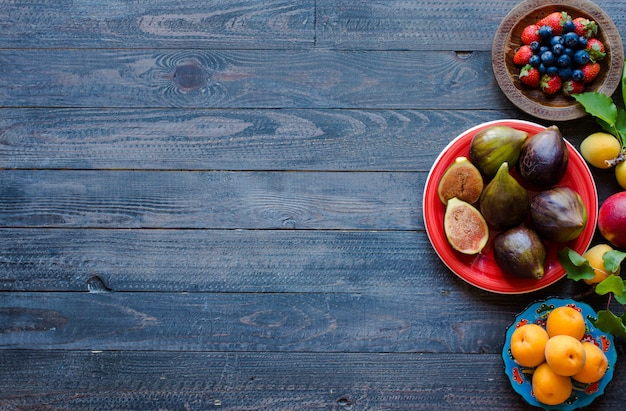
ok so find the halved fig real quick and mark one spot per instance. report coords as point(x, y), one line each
point(465, 228)
point(461, 180)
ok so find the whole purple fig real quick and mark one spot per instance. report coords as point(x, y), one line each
point(558, 214)
point(543, 159)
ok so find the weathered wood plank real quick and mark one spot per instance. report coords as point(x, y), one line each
point(393, 24)
point(250, 261)
point(248, 24)
point(227, 200)
point(248, 79)
point(216, 200)
point(426, 320)
point(220, 261)
point(240, 139)
point(421, 24)
point(79, 380)
point(230, 139)
point(262, 381)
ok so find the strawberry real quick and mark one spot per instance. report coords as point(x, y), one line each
point(530, 76)
point(522, 55)
point(590, 71)
point(585, 27)
point(550, 84)
point(530, 34)
point(573, 87)
point(595, 48)
point(555, 21)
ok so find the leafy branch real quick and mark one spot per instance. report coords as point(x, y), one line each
point(608, 115)
point(612, 119)
point(578, 268)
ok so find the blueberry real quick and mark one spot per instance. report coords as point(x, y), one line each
point(534, 46)
point(534, 60)
point(568, 26)
point(582, 42)
point(558, 49)
point(547, 58)
point(564, 61)
point(542, 68)
point(569, 51)
point(545, 32)
point(565, 73)
point(543, 49)
point(578, 75)
point(571, 39)
point(552, 70)
point(557, 40)
point(581, 57)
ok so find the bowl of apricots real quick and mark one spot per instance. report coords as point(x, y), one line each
point(555, 358)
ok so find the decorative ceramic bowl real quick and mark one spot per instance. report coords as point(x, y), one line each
point(521, 377)
point(534, 101)
point(481, 270)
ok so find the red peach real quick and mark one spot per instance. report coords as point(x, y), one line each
point(612, 219)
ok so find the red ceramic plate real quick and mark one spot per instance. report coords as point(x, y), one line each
point(481, 270)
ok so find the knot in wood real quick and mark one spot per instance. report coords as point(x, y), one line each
point(189, 76)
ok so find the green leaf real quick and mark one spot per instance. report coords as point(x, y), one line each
point(575, 265)
point(606, 126)
point(621, 298)
point(598, 105)
point(620, 126)
point(610, 323)
point(612, 260)
point(611, 284)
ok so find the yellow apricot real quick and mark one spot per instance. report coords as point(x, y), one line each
point(596, 364)
point(598, 148)
point(528, 344)
point(550, 388)
point(594, 257)
point(620, 174)
point(565, 355)
point(565, 320)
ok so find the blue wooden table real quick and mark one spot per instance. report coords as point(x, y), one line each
point(218, 205)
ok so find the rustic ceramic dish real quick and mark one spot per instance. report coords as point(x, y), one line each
point(481, 270)
point(521, 377)
point(534, 101)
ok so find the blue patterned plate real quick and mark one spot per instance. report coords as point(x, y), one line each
point(521, 377)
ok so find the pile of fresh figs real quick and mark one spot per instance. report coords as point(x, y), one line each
point(509, 183)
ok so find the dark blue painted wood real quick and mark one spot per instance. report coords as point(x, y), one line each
point(244, 24)
point(217, 205)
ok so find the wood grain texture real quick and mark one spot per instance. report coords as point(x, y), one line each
point(248, 79)
point(219, 261)
point(283, 139)
point(419, 25)
point(426, 321)
point(226, 200)
point(249, 261)
point(248, 24)
point(276, 24)
point(259, 381)
point(244, 140)
point(217, 205)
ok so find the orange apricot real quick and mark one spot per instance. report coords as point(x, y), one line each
point(528, 344)
point(549, 387)
point(565, 355)
point(596, 364)
point(565, 320)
